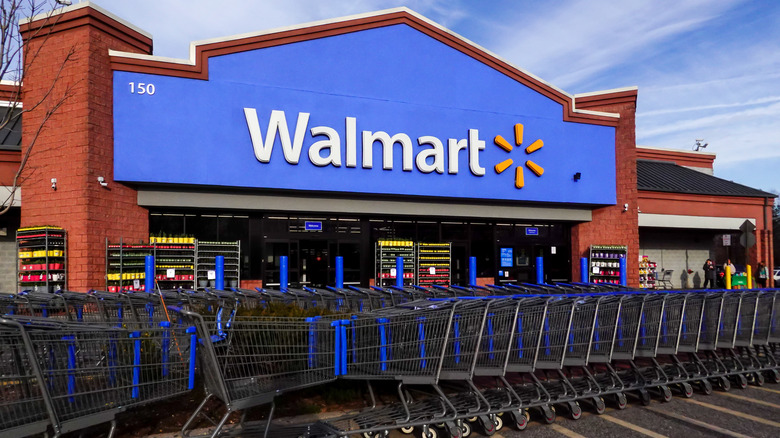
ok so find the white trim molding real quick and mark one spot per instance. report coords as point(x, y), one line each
point(693, 222)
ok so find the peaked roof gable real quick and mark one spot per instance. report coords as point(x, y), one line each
point(197, 67)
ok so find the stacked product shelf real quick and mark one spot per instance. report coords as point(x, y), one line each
point(605, 263)
point(433, 264)
point(207, 253)
point(126, 266)
point(175, 263)
point(386, 253)
point(174, 260)
point(647, 273)
point(42, 258)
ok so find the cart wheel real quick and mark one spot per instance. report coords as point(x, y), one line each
point(666, 393)
point(471, 419)
point(758, 379)
point(575, 411)
point(644, 397)
point(521, 418)
point(599, 405)
point(548, 414)
point(465, 429)
point(687, 389)
point(621, 401)
point(741, 381)
point(453, 430)
point(773, 376)
point(428, 432)
point(724, 384)
point(407, 430)
point(705, 386)
point(499, 422)
point(487, 425)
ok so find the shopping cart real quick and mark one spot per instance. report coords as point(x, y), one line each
point(253, 360)
point(84, 374)
point(761, 353)
point(24, 408)
point(636, 340)
point(596, 378)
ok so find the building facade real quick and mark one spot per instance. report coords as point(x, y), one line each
point(379, 127)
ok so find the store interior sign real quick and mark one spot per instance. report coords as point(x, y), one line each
point(506, 258)
point(341, 114)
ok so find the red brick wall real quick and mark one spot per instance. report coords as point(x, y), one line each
point(681, 158)
point(251, 284)
point(611, 225)
point(9, 164)
point(76, 144)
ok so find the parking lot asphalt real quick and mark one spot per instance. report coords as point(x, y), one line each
point(750, 412)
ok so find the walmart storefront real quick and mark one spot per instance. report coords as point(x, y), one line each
point(325, 140)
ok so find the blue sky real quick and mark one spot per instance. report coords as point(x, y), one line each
point(705, 69)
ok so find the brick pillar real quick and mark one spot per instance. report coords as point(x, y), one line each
point(611, 225)
point(76, 144)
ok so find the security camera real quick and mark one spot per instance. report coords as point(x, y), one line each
point(54, 183)
point(102, 181)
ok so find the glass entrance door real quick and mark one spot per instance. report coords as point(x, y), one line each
point(314, 263)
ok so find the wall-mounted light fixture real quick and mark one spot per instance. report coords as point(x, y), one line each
point(577, 176)
point(54, 183)
point(102, 181)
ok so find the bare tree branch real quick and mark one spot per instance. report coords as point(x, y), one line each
point(17, 57)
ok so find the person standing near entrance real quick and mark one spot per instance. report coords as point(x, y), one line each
point(728, 270)
point(709, 274)
point(762, 275)
point(732, 268)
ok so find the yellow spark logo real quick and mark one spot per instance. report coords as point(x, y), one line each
point(504, 165)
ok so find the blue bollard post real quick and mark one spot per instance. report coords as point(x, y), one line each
point(149, 274)
point(472, 271)
point(584, 270)
point(399, 272)
point(339, 272)
point(283, 266)
point(540, 270)
point(623, 272)
point(219, 266)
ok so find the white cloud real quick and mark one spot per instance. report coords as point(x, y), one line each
point(573, 41)
point(175, 23)
point(751, 102)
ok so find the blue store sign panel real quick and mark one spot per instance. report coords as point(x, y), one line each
point(388, 110)
point(313, 226)
point(531, 231)
point(506, 258)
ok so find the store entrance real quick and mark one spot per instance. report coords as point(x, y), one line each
point(314, 262)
